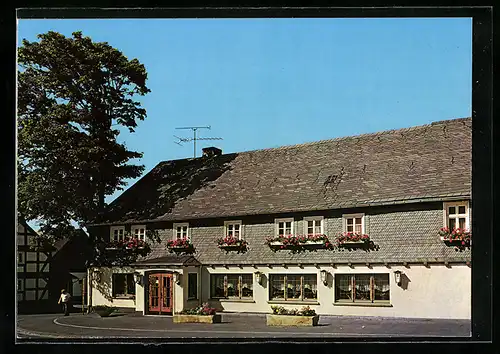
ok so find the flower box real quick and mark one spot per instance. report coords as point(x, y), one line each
point(291, 320)
point(197, 318)
point(457, 237)
point(229, 243)
point(182, 245)
point(299, 243)
point(352, 243)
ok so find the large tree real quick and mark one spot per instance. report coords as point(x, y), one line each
point(72, 95)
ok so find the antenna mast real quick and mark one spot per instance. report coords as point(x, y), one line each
point(194, 138)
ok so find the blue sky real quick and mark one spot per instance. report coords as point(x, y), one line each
point(263, 83)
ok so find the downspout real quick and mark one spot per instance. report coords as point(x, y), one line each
point(201, 286)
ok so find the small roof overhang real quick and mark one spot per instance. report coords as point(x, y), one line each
point(169, 260)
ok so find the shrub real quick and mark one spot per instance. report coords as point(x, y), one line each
point(305, 311)
point(203, 310)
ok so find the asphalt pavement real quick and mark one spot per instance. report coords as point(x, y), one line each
point(126, 325)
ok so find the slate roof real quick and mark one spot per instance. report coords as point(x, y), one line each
point(428, 162)
point(184, 260)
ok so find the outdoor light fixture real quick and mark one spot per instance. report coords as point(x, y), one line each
point(177, 277)
point(397, 276)
point(138, 278)
point(323, 275)
point(97, 275)
point(258, 277)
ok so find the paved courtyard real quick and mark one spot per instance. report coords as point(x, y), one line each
point(79, 325)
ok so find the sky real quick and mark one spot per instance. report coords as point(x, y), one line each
point(263, 83)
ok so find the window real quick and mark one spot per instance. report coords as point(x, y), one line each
point(181, 231)
point(362, 287)
point(232, 286)
point(289, 287)
point(313, 225)
point(117, 233)
point(233, 229)
point(192, 286)
point(284, 227)
point(20, 284)
point(139, 232)
point(456, 215)
point(123, 285)
point(354, 223)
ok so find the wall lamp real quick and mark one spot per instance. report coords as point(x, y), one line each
point(258, 277)
point(177, 277)
point(138, 278)
point(324, 276)
point(397, 276)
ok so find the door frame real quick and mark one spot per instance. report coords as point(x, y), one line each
point(161, 273)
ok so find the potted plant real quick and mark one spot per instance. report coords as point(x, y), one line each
point(457, 236)
point(129, 245)
point(230, 243)
point(293, 317)
point(103, 310)
point(181, 245)
point(199, 314)
point(352, 239)
point(299, 243)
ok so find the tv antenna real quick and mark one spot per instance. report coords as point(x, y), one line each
point(194, 138)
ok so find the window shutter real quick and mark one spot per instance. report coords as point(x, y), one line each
point(239, 286)
point(225, 285)
point(301, 288)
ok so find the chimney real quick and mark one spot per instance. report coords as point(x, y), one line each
point(211, 151)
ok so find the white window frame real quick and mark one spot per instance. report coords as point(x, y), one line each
point(276, 225)
point(138, 227)
point(111, 233)
point(315, 219)
point(233, 222)
point(350, 216)
point(181, 224)
point(456, 204)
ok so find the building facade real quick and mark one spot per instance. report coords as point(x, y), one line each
point(398, 189)
point(43, 272)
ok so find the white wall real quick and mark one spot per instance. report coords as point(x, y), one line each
point(102, 291)
point(435, 292)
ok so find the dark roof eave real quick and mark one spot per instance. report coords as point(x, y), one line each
point(449, 197)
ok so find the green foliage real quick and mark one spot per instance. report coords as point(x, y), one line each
point(72, 94)
point(203, 310)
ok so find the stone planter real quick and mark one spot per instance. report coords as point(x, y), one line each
point(197, 318)
point(291, 320)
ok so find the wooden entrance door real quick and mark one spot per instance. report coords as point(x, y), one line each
point(160, 293)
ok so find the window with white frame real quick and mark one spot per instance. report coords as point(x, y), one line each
point(181, 230)
point(231, 286)
point(354, 223)
point(233, 229)
point(313, 225)
point(284, 227)
point(457, 215)
point(293, 287)
point(117, 233)
point(362, 288)
point(139, 232)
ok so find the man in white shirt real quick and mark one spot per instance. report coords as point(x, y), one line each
point(64, 299)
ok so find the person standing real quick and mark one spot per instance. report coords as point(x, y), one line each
point(65, 299)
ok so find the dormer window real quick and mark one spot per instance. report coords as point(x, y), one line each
point(181, 230)
point(284, 227)
point(139, 232)
point(233, 229)
point(456, 215)
point(354, 223)
point(313, 225)
point(117, 233)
